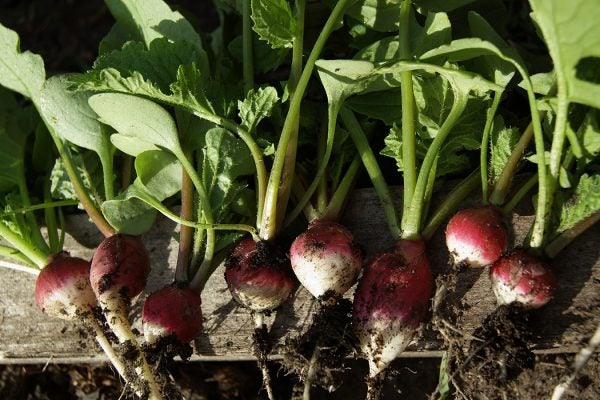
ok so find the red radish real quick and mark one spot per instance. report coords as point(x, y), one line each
point(325, 259)
point(119, 270)
point(62, 289)
point(477, 236)
point(391, 301)
point(172, 310)
point(259, 275)
point(522, 278)
point(120, 267)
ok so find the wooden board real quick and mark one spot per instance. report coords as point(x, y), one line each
point(28, 336)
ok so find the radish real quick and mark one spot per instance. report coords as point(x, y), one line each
point(170, 311)
point(519, 277)
point(390, 302)
point(259, 276)
point(326, 259)
point(119, 269)
point(62, 289)
point(477, 236)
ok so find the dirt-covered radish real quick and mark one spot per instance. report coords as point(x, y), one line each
point(172, 311)
point(521, 278)
point(326, 259)
point(477, 236)
point(391, 301)
point(63, 290)
point(259, 276)
point(119, 270)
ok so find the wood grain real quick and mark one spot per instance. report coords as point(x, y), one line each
point(28, 336)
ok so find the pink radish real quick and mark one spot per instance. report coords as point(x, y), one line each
point(119, 270)
point(390, 302)
point(325, 259)
point(259, 275)
point(172, 310)
point(62, 289)
point(477, 236)
point(522, 278)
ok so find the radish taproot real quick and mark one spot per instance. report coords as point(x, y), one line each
point(390, 302)
point(119, 270)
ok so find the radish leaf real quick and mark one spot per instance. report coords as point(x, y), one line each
point(274, 22)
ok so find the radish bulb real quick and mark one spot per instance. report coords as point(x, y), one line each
point(325, 259)
point(62, 289)
point(522, 278)
point(173, 311)
point(119, 270)
point(259, 276)
point(477, 236)
point(390, 302)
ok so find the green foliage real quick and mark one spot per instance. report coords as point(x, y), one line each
point(274, 22)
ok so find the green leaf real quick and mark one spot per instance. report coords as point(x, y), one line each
point(590, 136)
point(435, 32)
point(572, 34)
point(446, 5)
point(89, 170)
point(149, 20)
point(160, 172)
point(21, 72)
point(257, 105)
point(127, 213)
point(136, 120)
point(224, 159)
point(384, 105)
point(380, 15)
point(467, 49)
point(274, 22)
point(266, 58)
point(12, 140)
point(70, 116)
point(502, 142)
point(582, 203)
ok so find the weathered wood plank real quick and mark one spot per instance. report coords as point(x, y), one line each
point(26, 335)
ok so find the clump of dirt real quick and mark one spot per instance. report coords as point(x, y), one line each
point(320, 353)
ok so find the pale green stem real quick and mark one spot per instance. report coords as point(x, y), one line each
point(38, 256)
point(451, 201)
point(268, 227)
point(247, 47)
point(372, 167)
point(34, 228)
point(516, 199)
point(409, 163)
point(255, 151)
point(42, 206)
point(412, 223)
point(566, 237)
point(485, 145)
point(340, 197)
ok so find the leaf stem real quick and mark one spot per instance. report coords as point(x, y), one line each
point(50, 218)
point(451, 201)
point(412, 223)
point(268, 226)
point(38, 256)
point(186, 233)
point(485, 145)
point(340, 197)
point(255, 151)
point(408, 111)
point(34, 227)
point(516, 199)
point(248, 47)
point(82, 194)
point(566, 237)
point(372, 167)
